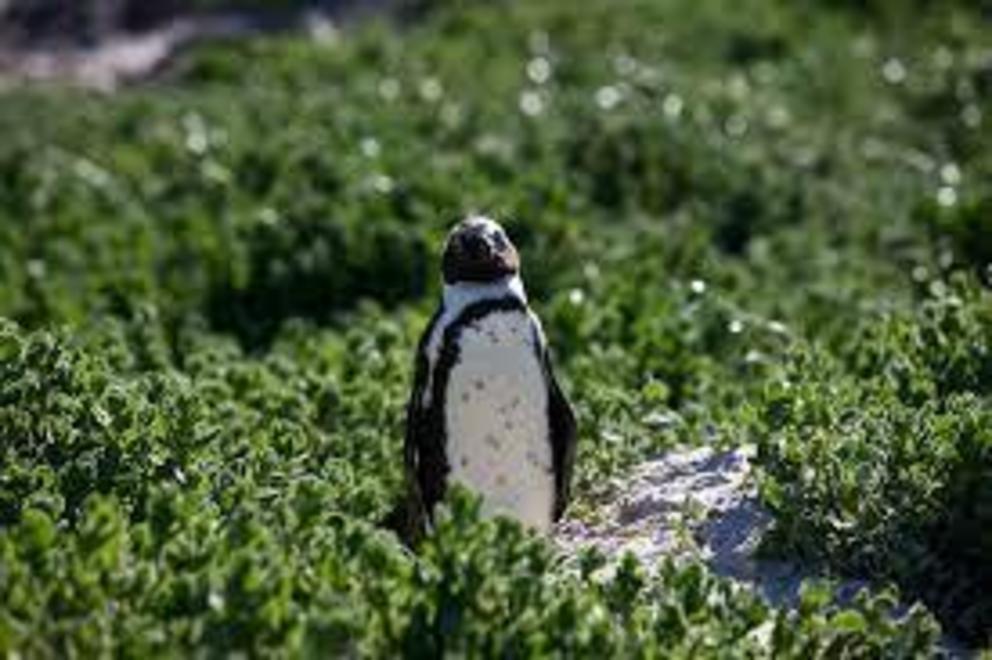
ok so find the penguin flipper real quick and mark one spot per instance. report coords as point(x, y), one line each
point(564, 432)
point(418, 450)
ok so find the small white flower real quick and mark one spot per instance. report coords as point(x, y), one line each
point(778, 327)
point(382, 183)
point(672, 106)
point(268, 216)
point(539, 70)
point(894, 71)
point(197, 135)
point(950, 174)
point(370, 147)
point(531, 103)
point(608, 97)
point(430, 89)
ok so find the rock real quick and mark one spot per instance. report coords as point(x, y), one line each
point(697, 503)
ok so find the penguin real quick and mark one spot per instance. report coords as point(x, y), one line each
point(486, 409)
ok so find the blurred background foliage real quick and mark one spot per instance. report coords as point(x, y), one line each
point(762, 221)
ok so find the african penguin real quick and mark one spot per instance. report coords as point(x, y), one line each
point(486, 409)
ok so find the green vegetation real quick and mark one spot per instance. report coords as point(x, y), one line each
point(763, 221)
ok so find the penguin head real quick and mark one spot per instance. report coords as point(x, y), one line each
point(478, 250)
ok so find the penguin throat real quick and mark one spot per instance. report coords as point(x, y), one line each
point(460, 295)
point(457, 297)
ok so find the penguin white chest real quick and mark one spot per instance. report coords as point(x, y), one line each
point(496, 419)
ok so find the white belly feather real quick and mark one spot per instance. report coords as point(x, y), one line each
point(496, 419)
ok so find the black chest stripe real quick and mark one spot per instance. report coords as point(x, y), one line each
point(449, 351)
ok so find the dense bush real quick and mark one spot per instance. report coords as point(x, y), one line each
point(735, 222)
point(149, 510)
point(880, 460)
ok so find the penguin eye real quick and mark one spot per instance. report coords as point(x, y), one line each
point(499, 240)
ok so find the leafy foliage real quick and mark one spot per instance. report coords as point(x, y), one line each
point(881, 461)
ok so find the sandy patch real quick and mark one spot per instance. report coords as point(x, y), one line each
point(700, 503)
point(696, 503)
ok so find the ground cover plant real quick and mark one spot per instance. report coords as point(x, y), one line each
point(761, 222)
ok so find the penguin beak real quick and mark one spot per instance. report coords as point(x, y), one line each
point(477, 246)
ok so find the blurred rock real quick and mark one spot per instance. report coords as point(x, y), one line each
point(102, 44)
